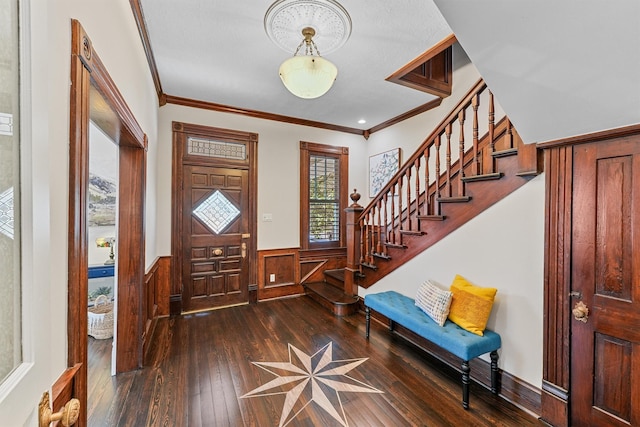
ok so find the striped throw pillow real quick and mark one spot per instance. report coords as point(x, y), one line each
point(434, 301)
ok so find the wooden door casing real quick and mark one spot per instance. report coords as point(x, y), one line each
point(605, 350)
point(214, 271)
point(242, 170)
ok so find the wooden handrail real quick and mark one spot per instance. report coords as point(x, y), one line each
point(416, 191)
point(464, 102)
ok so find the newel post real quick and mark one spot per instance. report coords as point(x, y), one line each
point(353, 244)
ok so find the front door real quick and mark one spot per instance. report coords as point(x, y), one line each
point(605, 324)
point(216, 234)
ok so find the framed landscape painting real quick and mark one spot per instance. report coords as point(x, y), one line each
point(381, 168)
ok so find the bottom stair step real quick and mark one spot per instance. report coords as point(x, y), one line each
point(332, 298)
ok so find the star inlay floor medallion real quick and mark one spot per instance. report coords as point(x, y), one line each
point(307, 379)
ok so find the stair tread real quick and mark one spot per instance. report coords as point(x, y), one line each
point(483, 177)
point(505, 153)
point(432, 217)
point(395, 245)
point(367, 265)
point(458, 199)
point(527, 174)
point(337, 274)
point(330, 293)
point(413, 232)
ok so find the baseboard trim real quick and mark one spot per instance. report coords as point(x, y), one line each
point(175, 304)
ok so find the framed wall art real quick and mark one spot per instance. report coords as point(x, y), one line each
point(381, 168)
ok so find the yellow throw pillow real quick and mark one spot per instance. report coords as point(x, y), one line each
point(471, 305)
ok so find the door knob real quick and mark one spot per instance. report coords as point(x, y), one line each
point(580, 312)
point(217, 252)
point(243, 250)
point(68, 416)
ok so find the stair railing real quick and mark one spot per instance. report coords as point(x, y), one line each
point(415, 193)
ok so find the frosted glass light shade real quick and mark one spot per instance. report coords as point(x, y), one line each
point(308, 76)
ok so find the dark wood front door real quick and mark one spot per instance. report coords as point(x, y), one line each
point(216, 234)
point(605, 341)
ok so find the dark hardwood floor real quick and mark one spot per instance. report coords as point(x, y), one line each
point(201, 372)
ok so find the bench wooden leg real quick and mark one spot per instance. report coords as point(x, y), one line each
point(367, 316)
point(494, 372)
point(465, 384)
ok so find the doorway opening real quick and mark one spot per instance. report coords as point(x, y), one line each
point(95, 98)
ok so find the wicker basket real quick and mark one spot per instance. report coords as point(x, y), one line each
point(101, 318)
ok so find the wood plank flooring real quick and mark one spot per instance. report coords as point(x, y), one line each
point(201, 365)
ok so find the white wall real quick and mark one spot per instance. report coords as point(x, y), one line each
point(278, 169)
point(111, 26)
point(502, 248)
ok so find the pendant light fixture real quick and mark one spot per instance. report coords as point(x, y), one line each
point(310, 75)
point(307, 74)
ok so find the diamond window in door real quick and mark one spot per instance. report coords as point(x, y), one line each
point(216, 212)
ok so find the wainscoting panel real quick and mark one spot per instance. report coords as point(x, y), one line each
point(282, 272)
point(155, 297)
point(278, 273)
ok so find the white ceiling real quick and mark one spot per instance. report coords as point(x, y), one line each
point(558, 68)
point(218, 51)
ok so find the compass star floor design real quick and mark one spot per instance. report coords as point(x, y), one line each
point(307, 379)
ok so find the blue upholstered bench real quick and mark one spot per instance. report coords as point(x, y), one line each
point(451, 337)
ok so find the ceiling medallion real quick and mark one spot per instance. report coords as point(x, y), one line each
point(307, 74)
point(285, 20)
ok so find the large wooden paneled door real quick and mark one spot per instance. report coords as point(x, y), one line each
point(605, 336)
point(214, 217)
point(215, 236)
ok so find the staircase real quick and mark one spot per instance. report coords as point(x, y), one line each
point(468, 163)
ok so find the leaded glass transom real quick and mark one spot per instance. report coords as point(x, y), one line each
point(216, 212)
point(220, 149)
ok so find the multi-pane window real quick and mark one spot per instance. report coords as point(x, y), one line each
point(324, 199)
point(323, 195)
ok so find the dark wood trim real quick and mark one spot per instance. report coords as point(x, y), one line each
point(187, 102)
point(557, 283)
point(559, 201)
point(129, 133)
point(204, 105)
point(89, 75)
point(175, 304)
point(155, 298)
point(138, 14)
point(321, 253)
point(431, 72)
point(307, 149)
point(512, 389)
point(402, 117)
point(286, 263)
point(592, 137)
point(131, 255)
point(180, 132)
point(308, 266)
point(161, 271)
point(63, 389)
point(78, 267)
point(433, 51)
